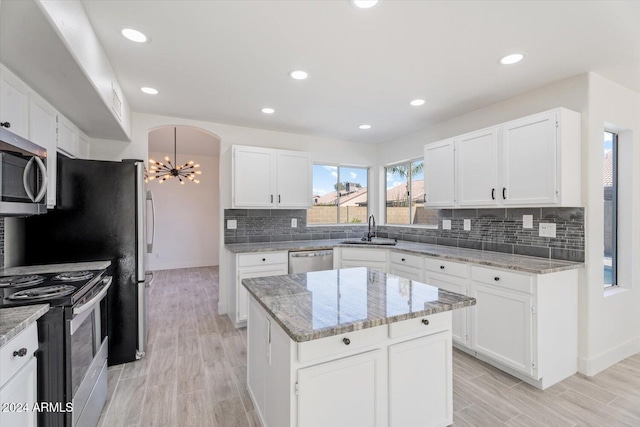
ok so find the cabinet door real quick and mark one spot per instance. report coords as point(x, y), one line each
point(42, 131)
point(20, 390)
point(67, 137)
point(439, 174)
point(83, 146)
point(242, 296)
point(406, 272)
point(14, 104)
point(458, 317)
point(294, 180)
point(253, 177)
point(477, 168)
point(501, 326)
point(346, 392)
point(421, 397)
point(530, 161)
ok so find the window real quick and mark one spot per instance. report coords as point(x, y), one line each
point(610, 208)
point(339, 195)
point(405, 195)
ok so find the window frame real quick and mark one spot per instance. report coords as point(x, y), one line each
point(614, 207)
point(407, 163)
point(338, 166)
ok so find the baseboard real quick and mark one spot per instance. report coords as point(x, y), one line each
point(597, 364)
point(156, 266)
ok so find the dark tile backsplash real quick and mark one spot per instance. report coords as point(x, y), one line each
point(496, 230)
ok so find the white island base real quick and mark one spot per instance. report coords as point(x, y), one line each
point(395, 375)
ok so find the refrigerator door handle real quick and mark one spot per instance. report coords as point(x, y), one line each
point(153, 221)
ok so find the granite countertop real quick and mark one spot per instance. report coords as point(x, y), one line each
point(319, 304)
point(13, 320)
point(55, 268)
point(527, 264)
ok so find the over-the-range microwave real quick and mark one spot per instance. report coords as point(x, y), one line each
point(23, 176)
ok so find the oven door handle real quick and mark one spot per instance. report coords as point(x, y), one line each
point(93, 301)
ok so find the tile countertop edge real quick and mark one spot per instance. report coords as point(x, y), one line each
point(520, 263)
point(55, 268)
point(14, 320)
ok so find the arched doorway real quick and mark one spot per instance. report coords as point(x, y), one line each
point(187, 232)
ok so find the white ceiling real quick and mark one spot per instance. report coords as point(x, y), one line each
point(189, 141)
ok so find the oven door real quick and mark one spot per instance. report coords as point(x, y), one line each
point(87, 346)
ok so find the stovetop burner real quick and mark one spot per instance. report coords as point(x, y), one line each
point(73, 276)
point(43, 292)
point(20, 281)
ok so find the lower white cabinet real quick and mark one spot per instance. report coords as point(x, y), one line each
point(249, 266)
point(397, 375)
point(365, 257)
point(459, 321)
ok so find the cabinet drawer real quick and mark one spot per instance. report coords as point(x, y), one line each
point(503, 279)
point(262, 258)
point(424, 325)
point(445, 267)
point(364, 254)
point(337, 344)
point(10, 364)
point(406, 259)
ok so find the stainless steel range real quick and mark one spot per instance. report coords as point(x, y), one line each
point(73, 342)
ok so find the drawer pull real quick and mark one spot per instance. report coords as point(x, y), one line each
point(403, 259)
point(20, 353)
point(425, 322)
point(346, 341)
point(496, 278)
point(442, 267)
point(264, 259)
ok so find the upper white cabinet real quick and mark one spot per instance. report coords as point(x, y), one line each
point(42, 131)
point(439, 173)
point(269, 178)
point(83, 146)
point(533, 161)
point(14, 103)
point(67, 137)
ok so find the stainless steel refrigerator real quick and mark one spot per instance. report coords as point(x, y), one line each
point(101, 213)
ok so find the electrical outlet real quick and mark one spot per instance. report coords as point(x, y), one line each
point(294, 222)
point(232, 224)
point(446, 224)
point(527, 221)
point(547, 229)
point(467, 225)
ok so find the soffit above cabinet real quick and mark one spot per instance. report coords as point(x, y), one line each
point(32, 49)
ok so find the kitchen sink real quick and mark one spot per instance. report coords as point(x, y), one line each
point(373, 241)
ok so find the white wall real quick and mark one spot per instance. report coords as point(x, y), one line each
point(187, 217)
point(321, 149)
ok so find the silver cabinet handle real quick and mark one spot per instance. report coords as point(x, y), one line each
point(43, 171)
point(25, 179)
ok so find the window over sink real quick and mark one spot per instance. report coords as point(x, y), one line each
point(340, 195)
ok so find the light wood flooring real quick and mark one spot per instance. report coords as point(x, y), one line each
point(194, 374)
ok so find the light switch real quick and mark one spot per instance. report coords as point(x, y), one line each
point(232, 224)
point(294, 222)
point(547, 229)
point(467, 225)
point(446, 224)
point(527, 221)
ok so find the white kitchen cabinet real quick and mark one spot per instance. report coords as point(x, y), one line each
point(439, 173)
point(14, 103)
point(83, 146)
point(362, 257)
point(269, 178)
point(18, 379)
point(250, 266)
point(406, 265)
point(477, 167)
point(42, 131)
point(343, 392)
point(459, 326)
point(67, 137)
point(411, 406)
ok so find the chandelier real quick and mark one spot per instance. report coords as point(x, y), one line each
point(164, 171)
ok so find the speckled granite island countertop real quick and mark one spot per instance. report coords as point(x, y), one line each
point(55, 268)
point(527, 264)
point(319, 304)
point(13, 320)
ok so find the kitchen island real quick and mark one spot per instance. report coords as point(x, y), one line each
point(350, 347)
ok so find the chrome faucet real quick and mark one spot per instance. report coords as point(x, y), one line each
point(372, 224)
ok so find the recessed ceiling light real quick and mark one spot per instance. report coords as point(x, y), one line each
point(268, 110)
point(365, 127)
point(299, 75)
point(417, 102)
point(149, 90)
point(134, 35)
point(512, 58)
point(364, 4)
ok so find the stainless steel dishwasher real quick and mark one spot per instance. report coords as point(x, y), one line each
point(305, 261)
